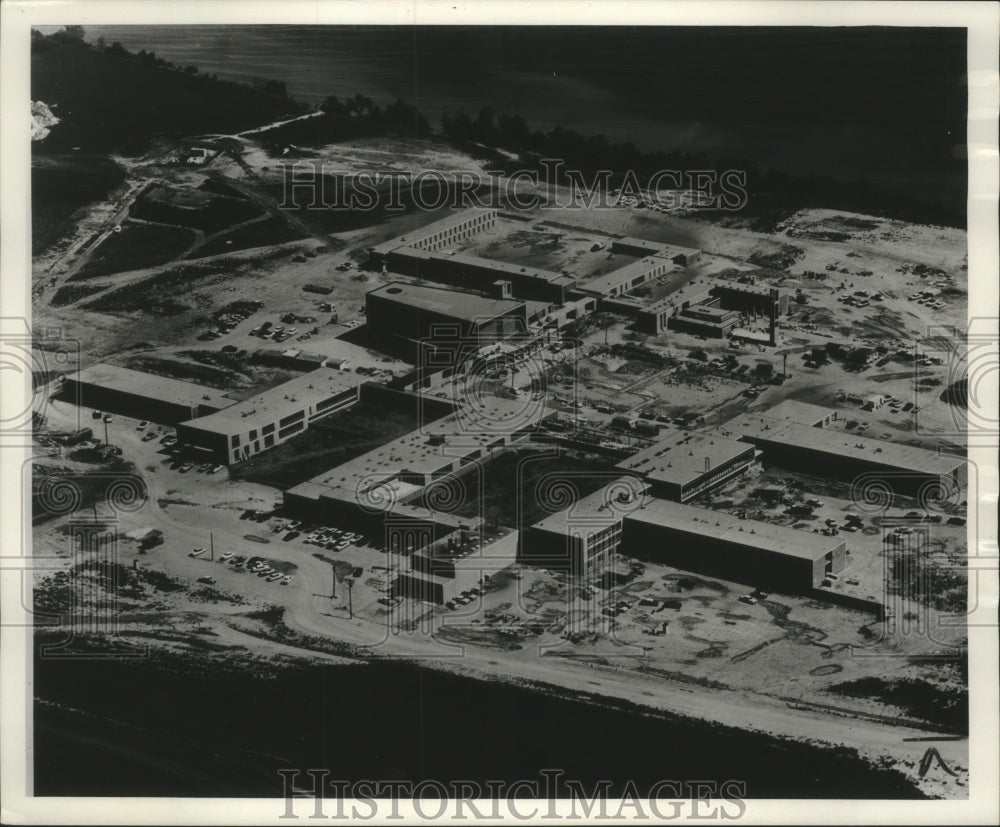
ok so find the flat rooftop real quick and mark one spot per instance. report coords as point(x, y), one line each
point(633, 270)
point(600, 510)
point(804, 413)
point(425, 451)
point(712, 312)
point(649, 247)
point(161, 388)
point(505, 268)
point(841, 444)
point(282, 400)
point(417, 235)
point(477, 544)
point(680, 457)
point(470, 307)
point(716, 525)
point(694, 292)
point(745, 287)
point(596, 511)
point(654, 248)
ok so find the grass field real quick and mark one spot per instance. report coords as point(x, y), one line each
point(135, 247)
point(69, 293)
point(204, 212)
point(263, 233)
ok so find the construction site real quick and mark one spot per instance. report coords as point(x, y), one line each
point(608, 442)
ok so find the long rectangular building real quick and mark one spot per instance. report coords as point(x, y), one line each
point(904, 469)
point(721, 545)
point(627, 278)
point(805, 413)
point(585, 537)
point(478, 273)
point(642, 247)
point(141, 395)
point(240, 431)
point(452, 229)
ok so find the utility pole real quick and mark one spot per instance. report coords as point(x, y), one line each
point(333, 571)
point(211, 545)
point(106, 440)
point(350, 602)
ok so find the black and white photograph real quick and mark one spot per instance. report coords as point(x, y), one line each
point(547, 411)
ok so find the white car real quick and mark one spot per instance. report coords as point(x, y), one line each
point(196, 552)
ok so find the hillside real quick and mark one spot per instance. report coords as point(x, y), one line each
point(108, 103)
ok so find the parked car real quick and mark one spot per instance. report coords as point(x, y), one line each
point(291, 535)
point(196, 552)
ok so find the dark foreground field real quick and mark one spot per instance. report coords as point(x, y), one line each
point(183, 725)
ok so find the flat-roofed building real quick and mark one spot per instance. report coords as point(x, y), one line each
point(903, 469)
point(654, 317)
point(703, 303)
point(419, 313)
point(452, 229)
point(585, 538)
point(642, 247)
point(478, 273)
point(388, 481)
point(705, 320)
point(458, 562)
point(751, 298)
point(721, 545)
point(681, 465)
point(292, 358)
point(240, 431)
point(141, 395)
point(805, 413)
point(627, 278)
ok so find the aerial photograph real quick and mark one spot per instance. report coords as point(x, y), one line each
point(500, 412)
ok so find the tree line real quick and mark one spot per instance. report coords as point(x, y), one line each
point(75, 35)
